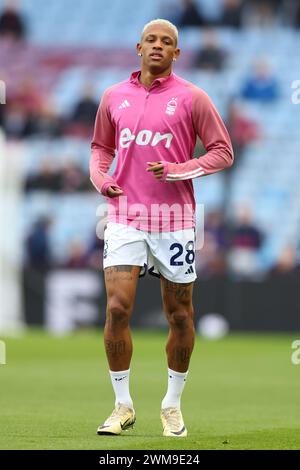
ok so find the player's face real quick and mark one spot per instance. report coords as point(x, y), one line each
point(158, 48)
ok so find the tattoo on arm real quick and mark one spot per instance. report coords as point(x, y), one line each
point(115, 348)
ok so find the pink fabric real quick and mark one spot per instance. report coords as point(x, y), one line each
point(158, 124)
point(103, 149)
point(214, 136)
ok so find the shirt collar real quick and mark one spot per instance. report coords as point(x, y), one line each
point(134, 78)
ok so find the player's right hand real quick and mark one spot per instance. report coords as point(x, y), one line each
point(113, 191)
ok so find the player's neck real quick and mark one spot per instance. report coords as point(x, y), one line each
point(147, 78)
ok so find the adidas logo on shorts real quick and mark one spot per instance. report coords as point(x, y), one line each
point(190, 270)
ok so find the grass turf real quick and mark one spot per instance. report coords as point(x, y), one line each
point(242, 393)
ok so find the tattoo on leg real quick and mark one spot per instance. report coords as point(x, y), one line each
point(127, 270)
point(115, 348)
point(182, 355)
point(181, 291)
point(123, 268)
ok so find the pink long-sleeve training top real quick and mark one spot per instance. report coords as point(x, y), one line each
point(156, 124)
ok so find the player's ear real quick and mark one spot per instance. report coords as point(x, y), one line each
point(177, 53)
point(139, 48)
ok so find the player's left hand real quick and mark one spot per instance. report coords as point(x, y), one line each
point(157, 168)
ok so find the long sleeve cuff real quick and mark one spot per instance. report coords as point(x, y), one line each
point(107, 185)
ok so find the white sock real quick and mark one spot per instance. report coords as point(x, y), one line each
point(120, 383)
point(176, 383)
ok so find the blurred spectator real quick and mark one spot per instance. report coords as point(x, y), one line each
point(291, 13)
point(23, 109)
point(296, 21)
point(47, 178)
point(16, 122)
point(82, 256)
point(28, 96)
point(169, 10)
point(263, 12)
point(190, 15)
point(3, 98)
point(11, 22)
point(85, 109)
point(77, 256)
point(70, 178)
point(232, 13)
point(287, 262)
point(261, 85)
point(211, 56)
point(216, 226)
point(73, 178)
point(210, 260)
point(245, 242)
point(47, 123)
point(38, 245)
point(95, 253)
point(1, 116)
point(241, 128)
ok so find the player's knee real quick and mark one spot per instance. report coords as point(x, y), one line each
point(181, 318)
point(118, 314)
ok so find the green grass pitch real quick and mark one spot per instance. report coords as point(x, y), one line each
point(242, 393)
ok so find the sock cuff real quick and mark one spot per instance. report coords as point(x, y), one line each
point(119, 372)
point(182, 375)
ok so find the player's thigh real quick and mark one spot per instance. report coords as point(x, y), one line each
point(177, 297)
point(125, 253)
point(121, 283)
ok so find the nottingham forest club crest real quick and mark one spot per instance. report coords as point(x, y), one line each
point(171, 107)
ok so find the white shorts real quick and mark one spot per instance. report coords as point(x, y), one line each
point(171, 254)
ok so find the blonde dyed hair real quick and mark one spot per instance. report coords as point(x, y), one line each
point(162, 22)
